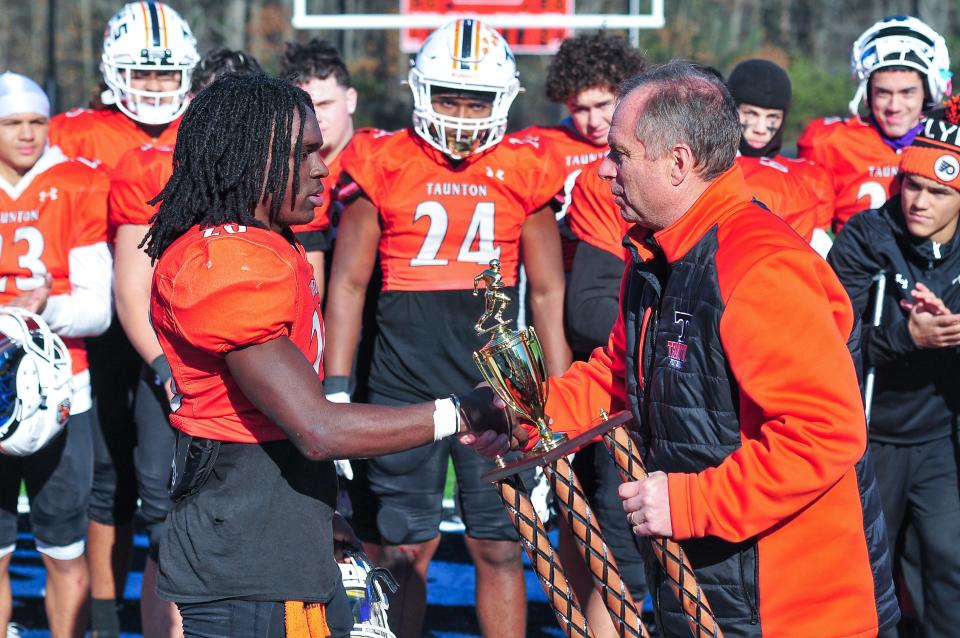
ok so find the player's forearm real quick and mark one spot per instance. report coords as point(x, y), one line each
point(133, 312)
point(342, 321)
point(280, 382)
point(86, 310)
point(133, 275)
point(547, 307)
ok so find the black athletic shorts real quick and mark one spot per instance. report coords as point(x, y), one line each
point(409, 490)
point(114, 375)
point(153, 455)
point(58, 480)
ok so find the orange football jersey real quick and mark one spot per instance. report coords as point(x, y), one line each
point(571, 153)
point(222, 288)
point(139, 176)
point(820, 182)
point(438, 220)
point(103, 134)
point(593, 214)
point(782, 191)
point(322, 214)
point(41, 220)
point(862, 165)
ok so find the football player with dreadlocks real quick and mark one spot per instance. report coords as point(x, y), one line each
point(436, 202)
point(140, 174)
point(902, 67)
point(147, 63)
point(54, 264)
point(248, 548)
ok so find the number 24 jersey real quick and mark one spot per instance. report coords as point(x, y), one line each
point(439, 220)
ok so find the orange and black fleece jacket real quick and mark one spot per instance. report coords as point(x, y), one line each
point(732, 350)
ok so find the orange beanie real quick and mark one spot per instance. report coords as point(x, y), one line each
point(935, 152)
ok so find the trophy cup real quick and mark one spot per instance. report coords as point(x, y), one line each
point(512, 363)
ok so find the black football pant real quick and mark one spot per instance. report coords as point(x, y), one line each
point(919, 483)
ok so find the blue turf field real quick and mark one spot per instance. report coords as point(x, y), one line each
point(451, 589)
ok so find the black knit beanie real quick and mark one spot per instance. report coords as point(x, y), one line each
point(764, 84)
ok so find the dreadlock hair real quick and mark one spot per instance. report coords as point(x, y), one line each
point(317, 59)
point(232, 154)
point(218, 61)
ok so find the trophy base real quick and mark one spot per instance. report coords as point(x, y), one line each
point(539, 456)
point(550, 442)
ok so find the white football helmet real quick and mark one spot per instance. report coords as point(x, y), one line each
point(902, 41)
point(464, 55)
point(362, 582)
point(35, 388)
point(147, 36)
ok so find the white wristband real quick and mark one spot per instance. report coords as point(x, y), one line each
point(339, 397)
point(446, 419)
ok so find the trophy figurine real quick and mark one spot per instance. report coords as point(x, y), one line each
point(512, 361)
point(513, 365)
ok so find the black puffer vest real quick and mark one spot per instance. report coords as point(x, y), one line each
point(688, 410)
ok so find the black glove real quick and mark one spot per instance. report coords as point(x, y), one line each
point(478, 413)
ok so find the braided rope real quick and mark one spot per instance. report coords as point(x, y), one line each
point(545, 564)
point(679, 571)
point(575, 510)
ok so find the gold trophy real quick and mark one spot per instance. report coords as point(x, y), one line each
point(512, 361)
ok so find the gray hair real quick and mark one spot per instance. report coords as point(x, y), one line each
point(689, 106)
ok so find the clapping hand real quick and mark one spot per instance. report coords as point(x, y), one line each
point(930, 322)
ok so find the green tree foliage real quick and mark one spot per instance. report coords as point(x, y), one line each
point(810, 38)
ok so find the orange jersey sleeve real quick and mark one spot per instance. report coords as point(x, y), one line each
point(223, 288)
point(62, 208)
point(863, 167)
point(570, 151)
point(783, 192)
point(103, 135)
point(139, 176)
point(593, 215)
point(820, 182)
point(438, 220)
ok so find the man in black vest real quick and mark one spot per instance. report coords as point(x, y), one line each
point(731, 350)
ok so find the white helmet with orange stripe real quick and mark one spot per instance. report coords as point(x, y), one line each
point(146, 37)
point(463, 55)
point(35, 383)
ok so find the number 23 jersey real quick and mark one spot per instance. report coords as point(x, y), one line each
point(864, 168)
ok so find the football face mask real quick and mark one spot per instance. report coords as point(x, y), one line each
point(146, 37)
point(464, 56)
point(363, 584)
point(35, 388)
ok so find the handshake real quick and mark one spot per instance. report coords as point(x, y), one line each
point(488, 426)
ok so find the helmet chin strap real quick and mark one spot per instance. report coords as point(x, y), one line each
point(857, 98)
